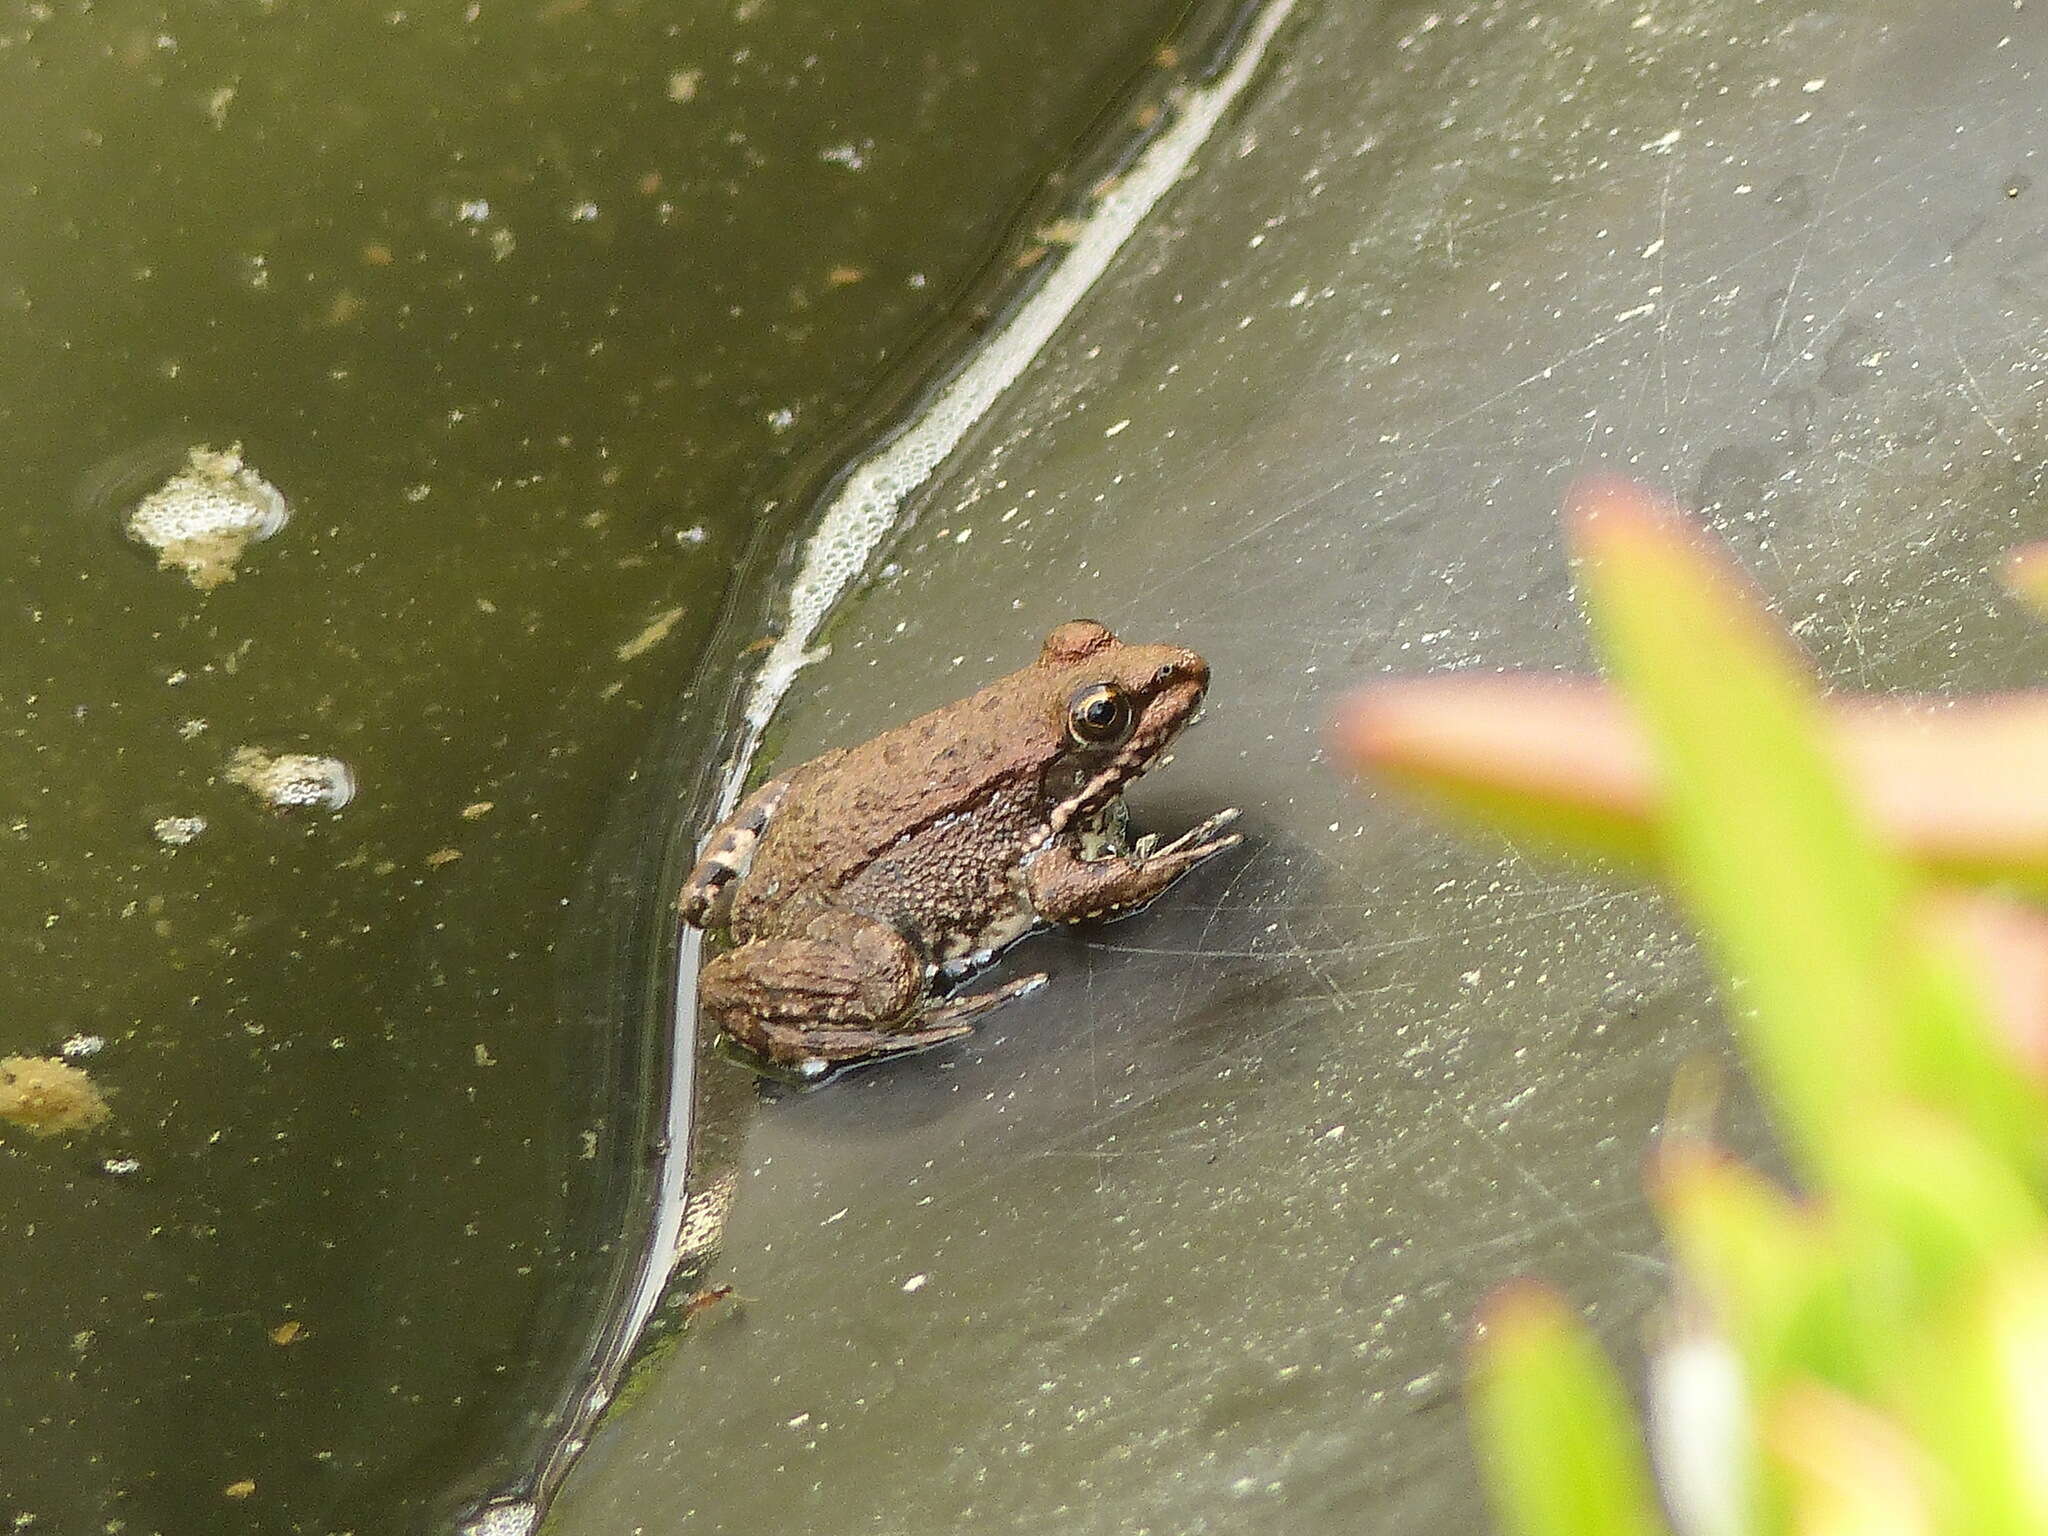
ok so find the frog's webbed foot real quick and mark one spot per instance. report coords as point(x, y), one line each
point(850, 989)
point(1066, 888)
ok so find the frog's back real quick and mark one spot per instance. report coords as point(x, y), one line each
point(907, 826)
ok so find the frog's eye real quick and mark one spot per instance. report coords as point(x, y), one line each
point(1099, 715)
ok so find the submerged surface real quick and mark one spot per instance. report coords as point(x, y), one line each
point(1188, 1240)
point(524, 311)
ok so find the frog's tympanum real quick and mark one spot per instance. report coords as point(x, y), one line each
point(858, 887)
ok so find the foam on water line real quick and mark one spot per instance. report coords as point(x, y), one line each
point(872, 499)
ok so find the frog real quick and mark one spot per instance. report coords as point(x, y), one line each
point(861, 888)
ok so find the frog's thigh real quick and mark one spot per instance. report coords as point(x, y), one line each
point(849, 989)
point(845, 970)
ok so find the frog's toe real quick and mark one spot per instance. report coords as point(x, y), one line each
point(1199, 841)
point(954, 1010)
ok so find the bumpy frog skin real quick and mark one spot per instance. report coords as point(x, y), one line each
point(857, 886)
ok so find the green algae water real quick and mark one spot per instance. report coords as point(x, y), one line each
point(525, 313)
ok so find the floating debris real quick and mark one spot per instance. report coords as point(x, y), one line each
point(177, 831)
point(704, 1300)
point(78, 1047)
point(286, 1332)
point(289, 780)
point(202, 519)
point(49, 1098)
point(656, 631)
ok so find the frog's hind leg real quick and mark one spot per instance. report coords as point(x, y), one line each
point(849, 989)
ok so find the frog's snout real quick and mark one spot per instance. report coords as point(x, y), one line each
point(1185, 667)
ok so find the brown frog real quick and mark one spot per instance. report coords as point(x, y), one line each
point(857, 886)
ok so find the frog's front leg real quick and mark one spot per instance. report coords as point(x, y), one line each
point(849, 988)
point(1066, 888)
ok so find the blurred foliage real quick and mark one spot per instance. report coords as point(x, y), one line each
point(1868, 1354)
point(2027, 574)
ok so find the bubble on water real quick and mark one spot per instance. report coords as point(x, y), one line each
point(202, 519)
point(287, 781)
point(177, 831)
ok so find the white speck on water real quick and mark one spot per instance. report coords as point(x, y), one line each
point(1111, 431)
point(473, 210)
point(915, 1283)
point(1813, 85)
point(1663, 145)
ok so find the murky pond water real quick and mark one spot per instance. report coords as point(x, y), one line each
point(526, 312)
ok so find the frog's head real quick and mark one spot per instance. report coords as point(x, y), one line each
point(1120, 706)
